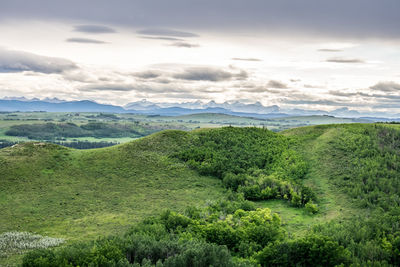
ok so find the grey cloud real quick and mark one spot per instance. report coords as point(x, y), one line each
point(162, 80)
point(184, 44)
point(162, 38)
point(276, 84)
point(93, 29)
point(256, 88)
point(209, 74)
point(329, 50)
point(149, 74)
point(382, 97)
point(320, 102)
point(108, 87)
point(259, 89)
point(386, 87)
point(85, 41)
point(172, 95)
point(313, 86)
point(392, 105)
point(342, 94)
point(345, 60)
point(152, 88)
point(78, 77)
point(340, 18)
point(246, 59)
point(167, 32)
point(18, 61)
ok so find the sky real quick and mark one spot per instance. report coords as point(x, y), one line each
point(309, 54)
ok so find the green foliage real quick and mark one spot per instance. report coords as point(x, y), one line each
point(362, 162)
point(370, 158)
point(152, 243)
point(256, 162)
point(236, 150)
point(103, 252)
point(312, 250)
point(311, 207)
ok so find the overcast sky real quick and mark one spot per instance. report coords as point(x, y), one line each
point(310, 54)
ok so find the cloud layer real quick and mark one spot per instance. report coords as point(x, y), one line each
point(209, 74)
point(84, 41)
point(166, 32)
point(94, 29)
point(344, 18)
point(18, 61)
point(345, 60)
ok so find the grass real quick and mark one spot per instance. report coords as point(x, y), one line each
point(314, 144)
point(80, 195)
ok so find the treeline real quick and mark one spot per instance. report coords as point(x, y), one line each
point(75, 144)
point(54, 131)
point(6, 143)
point(253, 161)
point(86, 144)
point(227, 233)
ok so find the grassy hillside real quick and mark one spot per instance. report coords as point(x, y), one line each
point(334, 188)
point(74, 194)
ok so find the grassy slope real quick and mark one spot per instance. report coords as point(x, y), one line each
point(314, 144)
point(75, 194)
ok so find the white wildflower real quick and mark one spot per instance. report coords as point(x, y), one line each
point(18, 242)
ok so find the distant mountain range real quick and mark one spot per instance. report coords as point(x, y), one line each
point(237, 108)
point(57, 106)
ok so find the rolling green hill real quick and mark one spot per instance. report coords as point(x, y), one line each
point(326, 194)
point(77, 195)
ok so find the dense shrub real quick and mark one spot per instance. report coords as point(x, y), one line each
point(311, 250)
point(103, 252)
point(256, 162)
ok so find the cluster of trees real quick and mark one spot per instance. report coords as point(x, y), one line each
point(222, 234)
point(6, 143)
point(85, 144)
point(370, 174)
point(371, 160)
point(256, 162)
point(53, 131)
point(75, 144)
